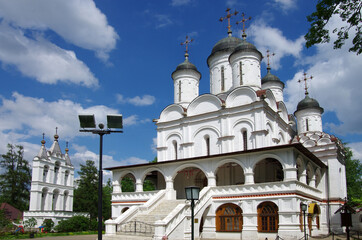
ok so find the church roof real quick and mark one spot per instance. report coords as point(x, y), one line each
point(245, 46)
point(226, 44)
point(55, 148)
point(307, 103)
point(186, 65)
point(43, 152)
point(270, 78)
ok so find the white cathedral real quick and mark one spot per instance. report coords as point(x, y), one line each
point(52, 185)
point(254, 163)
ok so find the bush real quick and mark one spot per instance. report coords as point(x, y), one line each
point(48, 225)
point(74, 224)
point(30, 223)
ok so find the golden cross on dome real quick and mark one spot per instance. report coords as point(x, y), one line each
point(268, 55)
point(186, 43)
point(228, 16)
point(305, 79)
point(66, 144)
point(43, 135)
point(56, 130)
point(243, 21)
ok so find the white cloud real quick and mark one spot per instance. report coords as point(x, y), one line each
point(79, 22)
point(134, 120)
point(145, 100)
point(336, 85)
point(286, 4)
point(42, 60)
point(154, 145)
point(356, 148)
point(180, 2)
point(163, 20)
point(266, 37)
point(22, 117)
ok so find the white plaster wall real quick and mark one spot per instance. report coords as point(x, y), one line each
point(314, 120)
point(219, 60)
point(189, 81)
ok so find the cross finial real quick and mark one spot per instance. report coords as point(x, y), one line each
point(305, 79)
point(56, 130)
point(243, 20)
point(43, 135)
point(66, 144)
point(186, 43)
point(268, 56)
point(228, 16)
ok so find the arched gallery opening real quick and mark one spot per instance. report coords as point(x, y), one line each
point(154, 181)
point(230, 174)
point(189, 176)
point(268, 170)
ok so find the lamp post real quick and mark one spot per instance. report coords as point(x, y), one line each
point(88, 124)
point(304, 208)
point(192, 193)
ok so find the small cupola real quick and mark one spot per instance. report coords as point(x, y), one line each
point(272, 82)
point(245, 62)
point(308, 113)
point(186, 79)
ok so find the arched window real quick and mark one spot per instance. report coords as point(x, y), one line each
point(207, 145)
point(268, 217)
point(65, 200)
point(307, 124)
point(222, 79)
point(245, 140)
point(174, 143)
point(229, 218)
point(179, 91)
point(55, 199)
point(45, 173)
point(66, 176)
point(56, 172)
point(43, 198)
point(241, 73)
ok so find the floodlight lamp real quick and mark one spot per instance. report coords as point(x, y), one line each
point(87, 121)
point(114, 121)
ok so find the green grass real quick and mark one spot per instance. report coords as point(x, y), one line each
point(40, 235)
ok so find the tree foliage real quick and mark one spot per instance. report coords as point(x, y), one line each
point(16, 178)
point(354, 177)
point(48, 225)
point(350, 13)
point(86, 194)
point(127, 184)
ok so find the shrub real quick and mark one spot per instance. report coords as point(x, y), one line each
point(74, 224)
point(30, 223)
point(48, 225)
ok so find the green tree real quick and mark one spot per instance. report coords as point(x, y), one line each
point(148, 185)
point(48, 225)
point(16, 177)
point(86, 194)
point(107, 198)
point(350, 13)
point(354, 177)
point(127, 184)
point(4, 221)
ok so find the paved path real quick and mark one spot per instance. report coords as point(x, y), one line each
point(74, 237)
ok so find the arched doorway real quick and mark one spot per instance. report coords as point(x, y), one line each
point(154, 181)
point(189, 176)
point(268, 170)
point(229, 218)
point(230, 174)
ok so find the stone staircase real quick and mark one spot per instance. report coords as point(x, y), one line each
point(142, 225)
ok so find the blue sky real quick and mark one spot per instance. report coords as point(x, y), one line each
point(64, 58)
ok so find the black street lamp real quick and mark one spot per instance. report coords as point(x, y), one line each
point(88, 124)
point(192, 193)
point(304, 209)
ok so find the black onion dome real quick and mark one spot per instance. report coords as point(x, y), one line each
point(270, 78)
point(308, 102)
point(246, 46)
point(226, 44)
point(186, 65)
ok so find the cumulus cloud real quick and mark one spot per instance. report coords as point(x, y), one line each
point(286, 5)
point(42, 60)
point(335, 85)
point(69, 19)
point(22, 117)
point(180, 2)
point(145, 100)
point(356, 148)
point(266, 37)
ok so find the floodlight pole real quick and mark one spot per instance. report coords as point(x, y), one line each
point(101, 131)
